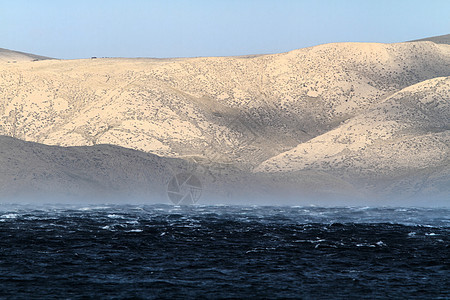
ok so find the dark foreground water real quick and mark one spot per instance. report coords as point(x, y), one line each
point(223, 252)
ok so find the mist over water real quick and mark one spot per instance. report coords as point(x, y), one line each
point(154, 251)
point(419, 216)
point(241, 239)
point(208, 197)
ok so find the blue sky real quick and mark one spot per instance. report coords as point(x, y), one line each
point(177, 28)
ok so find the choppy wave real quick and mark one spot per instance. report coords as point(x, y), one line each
point(154, 251)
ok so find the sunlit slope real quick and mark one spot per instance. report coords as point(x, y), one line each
point(401, 145)
point(230, 109)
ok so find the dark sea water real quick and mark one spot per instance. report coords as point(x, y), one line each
point(162, 251)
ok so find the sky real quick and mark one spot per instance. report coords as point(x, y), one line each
point(189, 28)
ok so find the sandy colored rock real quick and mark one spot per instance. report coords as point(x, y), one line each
point(336, 120)
point(209, 108)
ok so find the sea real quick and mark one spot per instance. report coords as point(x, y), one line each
point(222, 252)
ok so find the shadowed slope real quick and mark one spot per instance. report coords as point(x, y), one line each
point(441, 39)
point(110, 173)
point(16, 56)
point(103, 171)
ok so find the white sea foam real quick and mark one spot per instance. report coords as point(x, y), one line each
point(9, 216)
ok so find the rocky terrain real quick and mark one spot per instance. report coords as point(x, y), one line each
point(404, 138)
point(99, 172)
point(9, 56)
point(337, 119)
point(441, 39)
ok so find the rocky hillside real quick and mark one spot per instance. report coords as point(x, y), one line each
point(441, 39)
point(244, 109)
point(406, 137)
point(105, 172)
point(8, 56)
point(357, 119)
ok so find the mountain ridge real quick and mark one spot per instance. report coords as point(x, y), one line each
point(440, 39)
point(403, 135)
point(236, 117)
point(312, 100)
point(12, 56)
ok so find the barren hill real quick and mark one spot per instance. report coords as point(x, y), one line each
point(441, 39)
point(104, 171)
point(405, 138)
point(10, 56)
point(244, 109)
point(348, 118)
